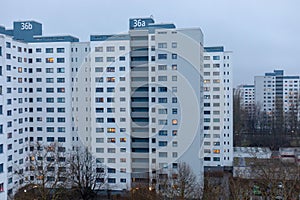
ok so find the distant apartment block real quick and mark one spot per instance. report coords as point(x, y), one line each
point(277, 91)
point(247, 98)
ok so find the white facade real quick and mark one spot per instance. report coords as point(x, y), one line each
point(135, 100)
point(277, 89)
point(218, 116)
point(247, 97)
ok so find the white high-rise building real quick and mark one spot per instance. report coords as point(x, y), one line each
point(247, 98)
point(36, 98)
point(142, 124)
point(135, 100)
point(218, 116)
point(277, 91)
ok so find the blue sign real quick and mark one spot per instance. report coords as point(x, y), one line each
point(25, 30)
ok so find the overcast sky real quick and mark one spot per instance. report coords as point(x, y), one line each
point(263, 34)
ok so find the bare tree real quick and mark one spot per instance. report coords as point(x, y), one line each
point(47, 175)
point(179, 184)
point(87, 174)
point(269, 178)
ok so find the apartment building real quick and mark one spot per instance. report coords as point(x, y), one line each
point(36, 98)
point(218, 116)
point(135, 100)
point(139, 84)
point(276, 91)
point(247, 98)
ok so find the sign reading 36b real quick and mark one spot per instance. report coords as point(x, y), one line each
point(26, 26)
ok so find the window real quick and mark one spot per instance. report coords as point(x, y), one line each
point(163, 133)
point(50, 100)
point(216, 57)
point(162, 100)
point(111, 120)
point(50, 110)
point(61, 90)
point(111, 150)
point(174, 121)
point(61, 110)
point(174, 44)
point(49, 70)
point(99, 150)
point(111, 140)
point(122, 58)
point(99, 79)
point(110, 49)
point(60, 50)
point(111, 180)
point(110, 59)
point(60, 80)
point(61, 129)
point(162, 56)
point(98, 49)
point(111, 130)
point(110, 69)
point(163, 154)
point(174, 56)
point(98, 59)
point(61, 100)
point(61, 119)
point(98, 69)
point(8, 45)
point(162, 143)
point(163, 122)
point(61, 139)
point(110, 79)
point(162, 78)
point(216, 65)
point(162, 89)
point(110, 99)
point(49, 50)
point(49, 80)
point(162, 67)
point(174, 111)
point(162, 45)
point(122, 48)
point(50, 139)
point(49, 60)
point(206, 65)
point(60, 60)
point(99, 140)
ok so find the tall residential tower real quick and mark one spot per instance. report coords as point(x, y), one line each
point(135, 100)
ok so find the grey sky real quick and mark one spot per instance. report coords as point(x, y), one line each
point(263, 34)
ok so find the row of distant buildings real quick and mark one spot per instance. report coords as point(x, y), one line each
point(142, 102)
point(272, 91)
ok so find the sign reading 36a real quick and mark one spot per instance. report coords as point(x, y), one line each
point(139, 23)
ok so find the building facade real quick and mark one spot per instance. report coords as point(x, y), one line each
point(247, 98)
point(218, 108)
point(276, 92)
point(135, 100)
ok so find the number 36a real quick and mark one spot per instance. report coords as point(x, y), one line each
point(26, 26)
point(138, 23)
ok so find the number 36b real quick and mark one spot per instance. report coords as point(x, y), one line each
point(26, 26)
